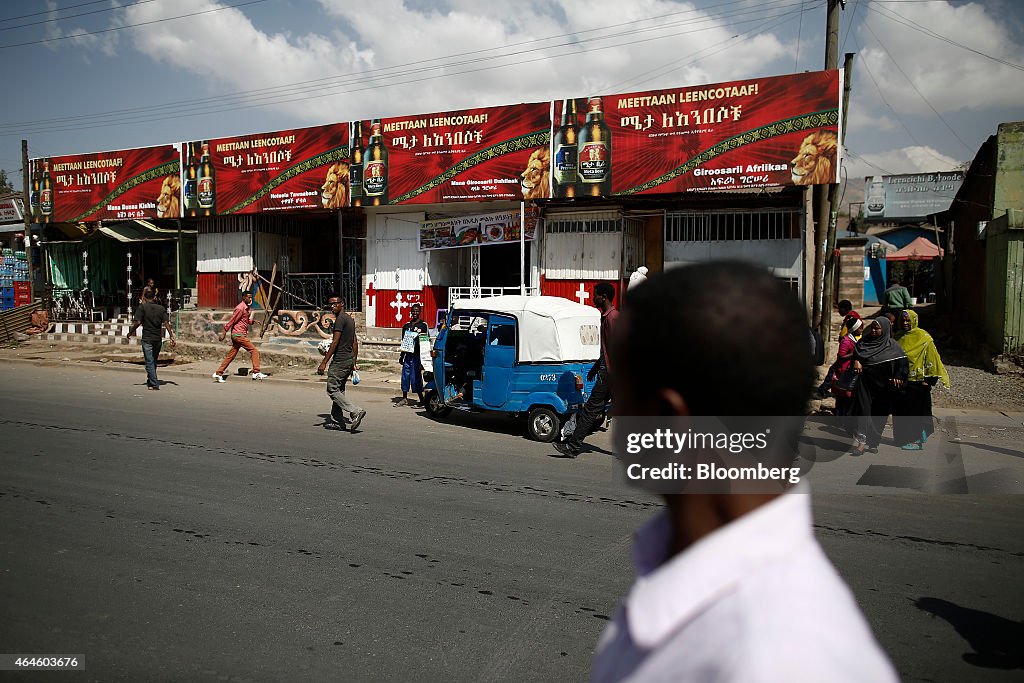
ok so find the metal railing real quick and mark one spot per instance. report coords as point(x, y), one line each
point(456, 293)
point(732, 225)
point(308, 290)
point(69, 304)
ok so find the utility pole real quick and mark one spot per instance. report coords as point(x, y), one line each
point(26, 212)
point(822, 318)
point(833, 200)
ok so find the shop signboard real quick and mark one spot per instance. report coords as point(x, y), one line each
point(287, 170)
point(117, 185)
point(486, 229)
point(910, 195)
point(11, 210)
point(486, 154)
point(758, 132)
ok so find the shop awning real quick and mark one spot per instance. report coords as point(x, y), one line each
point(140, 231)
point(921, 249)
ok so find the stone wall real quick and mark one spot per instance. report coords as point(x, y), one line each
point(206, 325)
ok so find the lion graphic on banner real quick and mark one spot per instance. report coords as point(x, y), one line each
point(334, 192)
point(167, 204)
point(815, 163)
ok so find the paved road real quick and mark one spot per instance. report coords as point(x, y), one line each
point(215, 532)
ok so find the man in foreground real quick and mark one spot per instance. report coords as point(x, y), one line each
point(593, 409)
point(342, 358)
point(729, 587)
point(241, 318)
point(153, 318)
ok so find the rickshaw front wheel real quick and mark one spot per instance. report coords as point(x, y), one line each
point(434, 406)
point(543, 424)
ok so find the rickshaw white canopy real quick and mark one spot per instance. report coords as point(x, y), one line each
point(551, 329)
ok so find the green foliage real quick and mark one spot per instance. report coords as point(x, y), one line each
point(5, 183)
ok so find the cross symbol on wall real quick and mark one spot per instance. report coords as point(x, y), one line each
point(398, 305)
point(371, 294)
point(582, 295)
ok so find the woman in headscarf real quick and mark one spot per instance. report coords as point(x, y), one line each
point(844, 359)
point(912, 422)
point(882, 365)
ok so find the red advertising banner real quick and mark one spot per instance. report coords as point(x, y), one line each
point(123, 184)
point(458, 156)
point(761, 132)
point(304, 168)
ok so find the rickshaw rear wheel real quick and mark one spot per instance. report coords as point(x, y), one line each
point(433, 405)
point(543, 424)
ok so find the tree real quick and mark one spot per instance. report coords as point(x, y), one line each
point(5, 183)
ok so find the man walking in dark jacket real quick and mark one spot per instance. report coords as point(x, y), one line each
point(593, 409)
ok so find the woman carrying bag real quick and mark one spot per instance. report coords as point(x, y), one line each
point(912, 423)
point(882, 365)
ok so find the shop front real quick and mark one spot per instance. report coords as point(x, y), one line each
point(446, 253)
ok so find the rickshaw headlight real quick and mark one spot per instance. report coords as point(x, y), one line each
point(579, 382)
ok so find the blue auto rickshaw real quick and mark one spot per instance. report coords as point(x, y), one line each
point(522, 355)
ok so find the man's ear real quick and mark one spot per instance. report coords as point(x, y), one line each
point(673, 403)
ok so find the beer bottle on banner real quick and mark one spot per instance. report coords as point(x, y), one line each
point(33, 197)
point(355, 171)
point(564, 151)
point(206, 188)
point(190, 187)
point(46, 198)
point(375, 168)
point(595, 153)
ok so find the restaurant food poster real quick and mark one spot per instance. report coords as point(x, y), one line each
point(287, 170)
point(494, 153)
point(122, 184)
point(759, 132)
point(480, 230)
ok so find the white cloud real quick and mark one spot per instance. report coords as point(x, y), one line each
point(949, 77)
point(79, 37)
point(227, 53)
point(860, 118)
point(914, 159)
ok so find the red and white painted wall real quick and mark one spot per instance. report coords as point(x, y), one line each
point(398, 274)
point(578, 251)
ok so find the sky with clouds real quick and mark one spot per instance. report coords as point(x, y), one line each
point(931, 81)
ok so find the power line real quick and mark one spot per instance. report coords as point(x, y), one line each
point(121, 28)
point(72, 16)
point(697, 56)
point(297, 87)
point(849, 24)
point(370, 86)
point(881, 95)
point(914, 86)
point(799, 32)
point(275, 95)
point(900, 19)
point(59, 9)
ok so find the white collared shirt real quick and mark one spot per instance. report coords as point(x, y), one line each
point(756, 600)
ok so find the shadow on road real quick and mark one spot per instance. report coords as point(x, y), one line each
point(998, 643)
